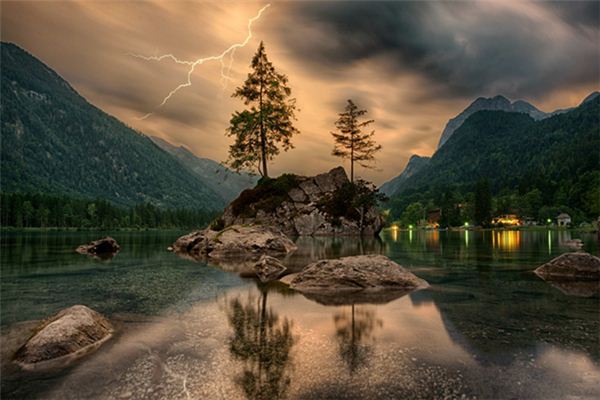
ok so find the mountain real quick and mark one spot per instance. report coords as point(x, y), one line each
point(415, 164)
point(227, 183)
point(54, 141)
point(557, 156)
point(498, 103)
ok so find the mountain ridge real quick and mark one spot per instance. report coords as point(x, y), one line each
point(227, 183)
point(54, 141)
point(499, 103)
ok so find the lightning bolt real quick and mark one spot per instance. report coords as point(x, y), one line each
point(225, 66)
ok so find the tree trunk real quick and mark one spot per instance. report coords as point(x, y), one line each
point(263, 137)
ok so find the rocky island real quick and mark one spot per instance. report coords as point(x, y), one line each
point(323, 205)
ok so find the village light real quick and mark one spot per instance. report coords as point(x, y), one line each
point(549, 221)
point(466, 224)
point(410, 227)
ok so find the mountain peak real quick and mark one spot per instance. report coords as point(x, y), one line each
point(496, 103)
point(591, 97)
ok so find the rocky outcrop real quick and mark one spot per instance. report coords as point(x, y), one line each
point(579, 265)
point(300, 206)
point(102, 247)
point(268, 268)
point(235, 242)
point(355, 279)
point(68, 335)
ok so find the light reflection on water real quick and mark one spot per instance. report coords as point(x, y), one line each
point(486, 328)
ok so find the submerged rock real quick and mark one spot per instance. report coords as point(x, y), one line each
point(268, 268)
point(371, 278)
point(301, 206)
point(574, 274)
point(579, 265)
point(64, 337)
point(235, 242)
point(102, 247)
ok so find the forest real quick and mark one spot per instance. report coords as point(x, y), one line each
point(27, 210)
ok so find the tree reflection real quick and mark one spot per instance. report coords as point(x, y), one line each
point(354, 334)
point(263, 343)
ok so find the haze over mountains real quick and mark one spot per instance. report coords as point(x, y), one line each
point(54, 141)
point(497, 103)
point(227, 183)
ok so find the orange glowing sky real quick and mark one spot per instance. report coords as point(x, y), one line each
point(412, 65)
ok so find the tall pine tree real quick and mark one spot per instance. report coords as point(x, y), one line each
point(350, 141)
point(267, 125)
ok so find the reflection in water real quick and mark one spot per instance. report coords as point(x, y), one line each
point(506, 240)
point(467, 238)
point(263, 343)
point(549, 242)
point(354, 335)
point(394, 231)
point(433, 238)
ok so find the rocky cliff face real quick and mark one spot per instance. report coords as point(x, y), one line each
point(304, 206)
point(415, 164)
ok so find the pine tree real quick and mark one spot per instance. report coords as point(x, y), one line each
point(351, 142)
point(267, 125)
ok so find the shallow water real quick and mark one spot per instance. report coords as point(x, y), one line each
point(486, 328)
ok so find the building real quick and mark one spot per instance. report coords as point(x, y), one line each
point(507, 220)
point(563, 219)
point(433, 216)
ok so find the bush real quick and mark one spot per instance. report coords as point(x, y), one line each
point(267, 195)
point(349, 200)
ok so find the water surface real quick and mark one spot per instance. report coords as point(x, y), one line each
point(486, 328)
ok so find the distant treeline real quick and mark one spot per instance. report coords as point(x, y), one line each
point(27, 210)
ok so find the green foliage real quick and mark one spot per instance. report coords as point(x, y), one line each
point(552, 163)
point(351, 201)
point(27, 210)
point(482, 213)
point(350, 142)
point(268, 123)
point(413, 214)
point(267, 195)
point(54, 141)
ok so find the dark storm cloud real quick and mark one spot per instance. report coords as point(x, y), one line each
point(470, 49)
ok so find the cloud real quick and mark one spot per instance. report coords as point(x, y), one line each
point(469, 48)
point(412, 65)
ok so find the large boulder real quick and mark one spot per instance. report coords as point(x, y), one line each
point(106, 246)
point(66, 336)
point(300, 206)
point(355, 279)
point(235, 242)
point(578, 265)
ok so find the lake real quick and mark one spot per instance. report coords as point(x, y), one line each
point(487, 327)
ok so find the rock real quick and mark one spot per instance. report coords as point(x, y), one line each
point(578, 288)
point(355, 277)
point(64, 337)
point(101, 247)
point(300, 206)
point(575, 244)
point(311, 190)
point(297, 195)
point(287, 279)
point(309, 224)
point(268, 268)
point(579, 265)
point(239, 242)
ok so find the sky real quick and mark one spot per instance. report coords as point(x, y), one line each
point(412, 65)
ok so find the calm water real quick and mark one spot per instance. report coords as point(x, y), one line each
point(486, 328)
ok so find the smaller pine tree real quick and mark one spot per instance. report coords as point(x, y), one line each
point(350, 141)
